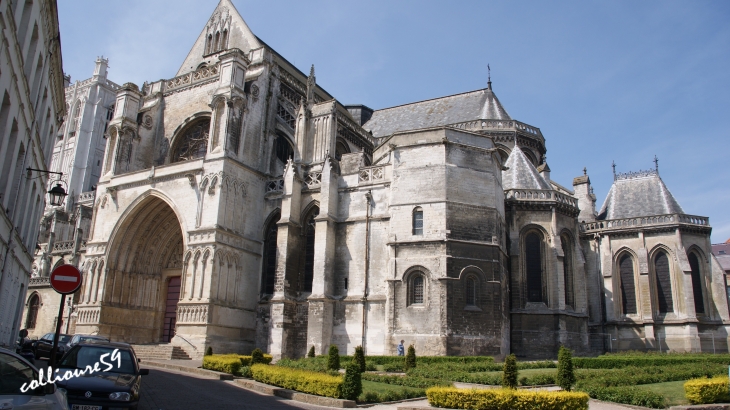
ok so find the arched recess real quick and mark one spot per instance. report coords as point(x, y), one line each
point(341, 148)
point(268, 263)
point(662, 280)
point(694, 257)
point(533, 264)
point(566, 240)
point(145, 250)
point(417, 284)
point(626, 268)
point(308, 240)
point(190, 140)
point(34, 304)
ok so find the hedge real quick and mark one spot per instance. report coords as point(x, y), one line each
point(227, 362)
point(416, 382)
point(705, 391)
point(649, 360)
point(629, 376)
point(505, 399)
point(300, 380)
point(626, 395)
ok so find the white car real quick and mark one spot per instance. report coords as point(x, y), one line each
point(15, 371)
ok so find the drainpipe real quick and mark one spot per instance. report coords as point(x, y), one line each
point(368, 198)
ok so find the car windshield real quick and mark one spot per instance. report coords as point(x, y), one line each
point(63, 338)
point(13, 374)
point(82, 356)
point(87, 338)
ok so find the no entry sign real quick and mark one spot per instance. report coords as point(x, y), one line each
point(66, 279)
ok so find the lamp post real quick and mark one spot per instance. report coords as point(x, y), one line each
point(57, 193)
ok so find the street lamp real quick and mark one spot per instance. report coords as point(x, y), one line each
point(57, 193)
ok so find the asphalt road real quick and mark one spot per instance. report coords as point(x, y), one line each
point(169, 390)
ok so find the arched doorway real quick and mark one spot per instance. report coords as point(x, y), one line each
point(145, 263)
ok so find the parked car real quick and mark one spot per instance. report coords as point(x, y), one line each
point(15, 371)
point(116, 387)
point(43, 346)
point(76, 339)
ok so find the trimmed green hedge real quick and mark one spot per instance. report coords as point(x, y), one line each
point(629, 376)
point(300, 380)
point(226, 363)
point(417, 382)
point(647, 360)
point(505, 399)
point(626, 395)
point(706, 391)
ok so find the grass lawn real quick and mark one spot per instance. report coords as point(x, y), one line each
point(389, 392)
point(673, 391)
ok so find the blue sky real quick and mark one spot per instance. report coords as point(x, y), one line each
point(604, 81)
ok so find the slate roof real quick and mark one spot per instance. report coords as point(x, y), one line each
point(637, 195)
point(480, 104)
point(521, 174)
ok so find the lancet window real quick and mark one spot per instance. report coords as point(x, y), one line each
point(694, 265)
point(628, 289)
point(663, 283)
point(533, 267)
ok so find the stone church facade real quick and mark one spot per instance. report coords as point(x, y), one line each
point(240, 205)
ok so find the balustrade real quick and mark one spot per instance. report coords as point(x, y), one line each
point(372, 174)
point(644, 221)
point(192, 78)
point(275, 185)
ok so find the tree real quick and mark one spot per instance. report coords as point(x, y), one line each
point(509, 377)
point(410, 358)
point(359, 358)
point(352, 384)
point(209, 351)
point(311, 352)
point(257, 356)
point(333, 362)
point(566, 376)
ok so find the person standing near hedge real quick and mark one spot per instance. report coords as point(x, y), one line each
point(401, 348)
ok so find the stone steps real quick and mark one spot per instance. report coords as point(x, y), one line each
point(160, 352)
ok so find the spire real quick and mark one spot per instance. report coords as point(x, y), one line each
point(613, 165)
point(656, 164)
point(311, 83)
point(489, 77)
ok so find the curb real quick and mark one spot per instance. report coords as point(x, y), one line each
point(294, 395)
point(716, 406)
point(193, 370)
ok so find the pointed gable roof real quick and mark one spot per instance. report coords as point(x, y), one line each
point(473, 105)
point(638, 194)
point(521, 174)
point(225, 16)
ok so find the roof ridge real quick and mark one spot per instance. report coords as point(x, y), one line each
point(432, 99)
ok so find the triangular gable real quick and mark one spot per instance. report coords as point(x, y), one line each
point(224, 17)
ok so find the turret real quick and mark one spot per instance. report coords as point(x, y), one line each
point(586, 198)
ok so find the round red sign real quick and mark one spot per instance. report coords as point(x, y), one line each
point(66, 279)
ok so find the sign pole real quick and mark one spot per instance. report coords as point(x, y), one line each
point(58, 332)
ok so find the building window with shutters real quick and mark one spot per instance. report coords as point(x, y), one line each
point(663, 282)
point(627, 285)
point(694, 264)
point(418, 221)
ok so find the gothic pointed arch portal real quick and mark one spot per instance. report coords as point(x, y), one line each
point(145, 263)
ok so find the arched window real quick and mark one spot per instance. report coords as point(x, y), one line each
point(418, 221)
point(628, 289)
point(282, 148)
point(471, 291)
point(694, 265)
point(193, 143)
point(341, 148)
point(224, 40)
point(309, 237)
point(568, 270)
point(269, 258)
point(209, 45)
point(33, 305)
point(217, 41)
point(415, 295)
point(533, 267)
point(663, 283)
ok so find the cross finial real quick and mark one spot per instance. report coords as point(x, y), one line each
point(585, 171)
point(489, 77)
point(656, 164)
point(613, 165)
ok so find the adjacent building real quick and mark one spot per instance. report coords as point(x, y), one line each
point(31, 108)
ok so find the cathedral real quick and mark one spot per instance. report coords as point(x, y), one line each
point(239, 205)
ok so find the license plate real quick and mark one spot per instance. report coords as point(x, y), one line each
point(84, 407)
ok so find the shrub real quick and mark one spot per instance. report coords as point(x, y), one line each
point(504, 399)
point(230, 364)
point(509, 377)
point(410, 362)
point(705, 391)
point(627, 395)
point(647, 360)
point(352, 383)
point(299, 380)
point(566, 376)
point(209, 351)
point(333, 361)
point(245, 371)
point(310, 353)
point(629, 376)
point(316, 364)
point(359, 358)
point(257, 357)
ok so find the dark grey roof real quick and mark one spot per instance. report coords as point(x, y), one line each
point(521, 174)
point(453, 109)
point(638, 194)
